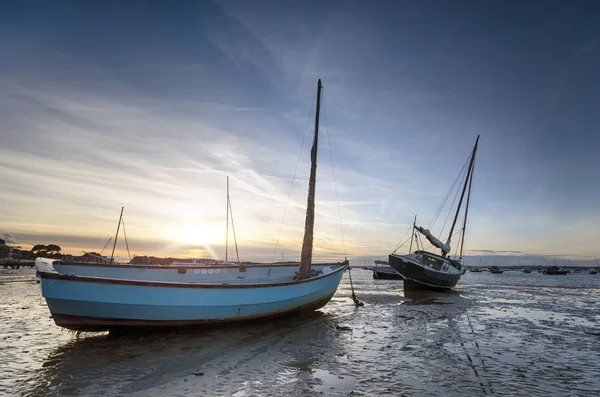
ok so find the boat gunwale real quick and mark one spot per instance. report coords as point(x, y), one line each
point(102, 280)
point(403, 257)
point(175, 267)
point(453, 262)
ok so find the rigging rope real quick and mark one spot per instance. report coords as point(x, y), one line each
point(293, 178)
point(404, 242)
point(233, 229)
point(450, 210)
point(441, 207)
point(333, 173)
point(125, 234)
point(419, 242)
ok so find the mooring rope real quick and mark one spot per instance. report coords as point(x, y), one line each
point(356, 301)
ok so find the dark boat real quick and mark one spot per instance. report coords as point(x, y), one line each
point(593, 271)
point(383, 271)
point(527, 270)
point(496, 270)
point(426, 270)
point(555, 271)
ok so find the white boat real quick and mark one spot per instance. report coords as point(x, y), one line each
point(383, 271)
point(112, 296)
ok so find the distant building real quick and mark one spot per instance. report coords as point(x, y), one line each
point(5, 250)
point(88, 257)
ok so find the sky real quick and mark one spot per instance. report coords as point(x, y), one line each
point(149, 105)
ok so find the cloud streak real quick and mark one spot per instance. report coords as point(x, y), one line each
point(95, 119)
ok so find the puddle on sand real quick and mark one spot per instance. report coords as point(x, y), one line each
point(333, 385)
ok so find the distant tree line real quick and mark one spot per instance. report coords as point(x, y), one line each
point(16, 252)
point(48, 251)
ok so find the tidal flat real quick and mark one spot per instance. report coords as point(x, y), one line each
point(496, 334)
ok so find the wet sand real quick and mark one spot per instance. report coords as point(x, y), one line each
point(500, 334)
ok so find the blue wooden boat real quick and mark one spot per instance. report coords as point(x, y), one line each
point(99, 296)
point(95, 304)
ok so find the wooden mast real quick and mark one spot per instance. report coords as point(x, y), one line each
point(112, 255)
point(462, 196)
point(307, 242)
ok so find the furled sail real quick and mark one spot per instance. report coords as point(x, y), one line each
point(433, 240)
point(307, 243)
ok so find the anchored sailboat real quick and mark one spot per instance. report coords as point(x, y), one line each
point(426, 270)
point(383, 271)
point(108, 296)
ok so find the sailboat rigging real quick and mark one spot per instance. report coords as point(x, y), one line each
point(229, 212)
point(112, 255)
point(121, 222)
point(427, 270)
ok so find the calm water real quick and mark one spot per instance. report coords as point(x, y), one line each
point(498, 334)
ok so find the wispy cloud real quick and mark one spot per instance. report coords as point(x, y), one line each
point(92, 120)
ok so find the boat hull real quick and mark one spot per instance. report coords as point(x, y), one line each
point(386, 274)
point(556, 273)
point(93, 304)
point(417, 276)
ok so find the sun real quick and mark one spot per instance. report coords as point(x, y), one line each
point(195, 235)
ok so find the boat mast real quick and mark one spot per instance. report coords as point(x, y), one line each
point(227, 222)
point(464, 229)
point(112, 255)
point(412, 235)
point(237, 253)
point(307, 242)
point(462, 196)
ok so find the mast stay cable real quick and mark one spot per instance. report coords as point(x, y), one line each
point(293, 178)
point(333, 174)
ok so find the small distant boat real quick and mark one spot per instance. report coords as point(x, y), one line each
point(593, 271)
point(496, 270)
point(383, 271)
point(555, 271)
point(426, 270)
point(527, 270)
point(475, 269)
point(98, 297)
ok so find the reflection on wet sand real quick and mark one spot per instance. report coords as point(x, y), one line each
point(418, 297)
point(141, 361)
